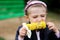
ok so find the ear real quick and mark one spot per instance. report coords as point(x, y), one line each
point(26, 17)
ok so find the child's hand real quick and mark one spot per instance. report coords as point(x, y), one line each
point(52, 27)
point(22, 32)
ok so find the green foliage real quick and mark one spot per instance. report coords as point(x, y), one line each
point(2, 38)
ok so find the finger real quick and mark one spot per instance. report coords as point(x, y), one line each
point(22, 33)
point(22, 29)
point(50, 24)
point(51, 28)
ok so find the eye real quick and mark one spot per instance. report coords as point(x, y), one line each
point(42, 15)
point(35, 16)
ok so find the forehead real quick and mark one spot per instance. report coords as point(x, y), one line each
point(36, 9)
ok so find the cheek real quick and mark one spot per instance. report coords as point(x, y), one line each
point(33, 20)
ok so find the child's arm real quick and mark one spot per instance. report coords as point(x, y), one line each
point(52, 27)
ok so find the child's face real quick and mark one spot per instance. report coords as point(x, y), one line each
point(37, 14)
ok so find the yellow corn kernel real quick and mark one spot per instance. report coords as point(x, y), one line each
point(42, 25)
point(32, 26)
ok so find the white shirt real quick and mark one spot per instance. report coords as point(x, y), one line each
point(38, 36)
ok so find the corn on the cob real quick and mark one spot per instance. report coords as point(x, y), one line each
point(34, 26)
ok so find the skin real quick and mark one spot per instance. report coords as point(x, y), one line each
point(37, 14)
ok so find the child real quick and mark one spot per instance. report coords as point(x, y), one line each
point(36, 11)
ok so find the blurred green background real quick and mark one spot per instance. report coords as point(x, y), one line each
point(11, 8)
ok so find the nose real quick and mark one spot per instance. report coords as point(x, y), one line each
point(40, 19)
